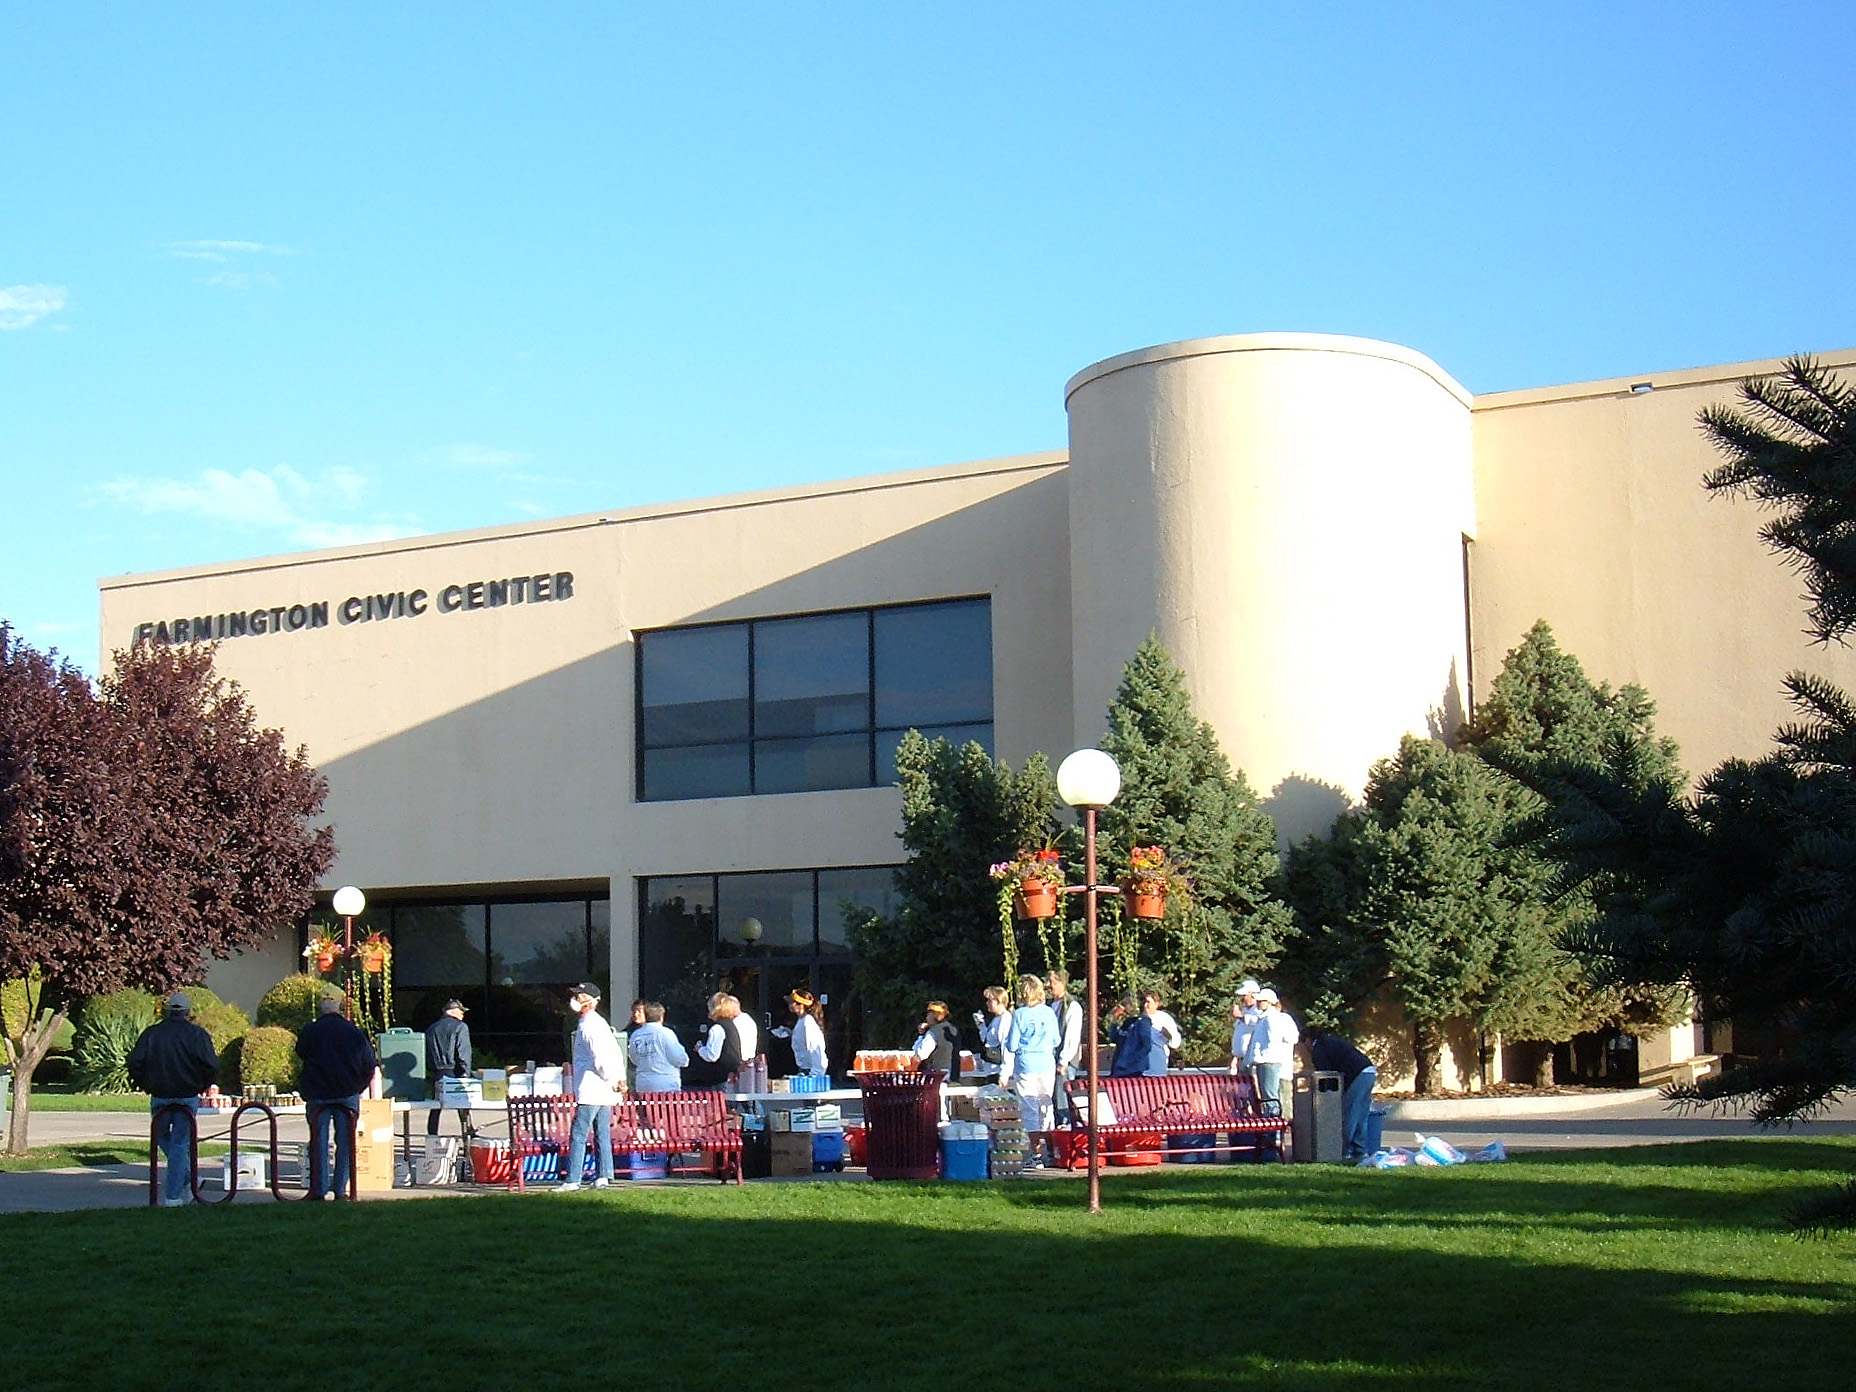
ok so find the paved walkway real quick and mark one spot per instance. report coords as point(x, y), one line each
point(1622, 1119)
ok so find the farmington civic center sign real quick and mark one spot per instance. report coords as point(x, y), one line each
point(400, 604)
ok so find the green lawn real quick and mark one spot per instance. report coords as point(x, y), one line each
point(1663, 1267)
point(89, 1101)
point(57, 1157)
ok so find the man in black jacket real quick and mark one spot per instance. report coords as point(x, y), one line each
point(173, 1062)
point(447, 1055)
point(338, 1065)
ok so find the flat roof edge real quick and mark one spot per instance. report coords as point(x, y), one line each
point(1679, 377)
point(432, 541)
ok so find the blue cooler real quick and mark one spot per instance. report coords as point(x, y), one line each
point(654, 1165)
point(827, 1150)
point(964, 1159)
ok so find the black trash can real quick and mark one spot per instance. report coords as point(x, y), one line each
point(902, 1120)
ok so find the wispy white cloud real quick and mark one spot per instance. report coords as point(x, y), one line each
point(22, 306)
point(222, 251)
point(240, 280)
point(477, 457)
point(299, 509)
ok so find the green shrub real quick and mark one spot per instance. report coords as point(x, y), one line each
point(229, 1077)
point(225, 1024)
point(198, 999)
point(106, 1032)
point(15, 996)
point(294, 1001)
point(268, 1055)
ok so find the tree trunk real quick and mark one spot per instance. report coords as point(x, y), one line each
point(1427, 1047)
point(28, 1051)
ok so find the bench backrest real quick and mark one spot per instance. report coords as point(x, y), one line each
point(535, 1122)
point(1176, 1097)
point(671, 1117)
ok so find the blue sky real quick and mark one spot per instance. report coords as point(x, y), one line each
point(274, 278)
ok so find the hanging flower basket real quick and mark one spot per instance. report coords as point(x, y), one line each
point(1153, 877)
point(1145, 903)
point(1036, 899)
point(323, 949)
point(374, 952)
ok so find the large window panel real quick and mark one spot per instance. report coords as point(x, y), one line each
point(695, 685)
point(812, 765)
point(852, 892)
point(812, 675)
point(438, 945)
point(539, 944)
point(934, 665)
point(699, 771)
point(781, 902)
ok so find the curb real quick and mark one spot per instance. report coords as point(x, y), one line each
point(1469, 1108)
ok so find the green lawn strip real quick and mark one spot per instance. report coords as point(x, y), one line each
point(85, 1153)
point(89, 1102)
point(1599, 1270)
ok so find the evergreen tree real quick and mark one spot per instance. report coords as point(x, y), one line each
point(1178, 790)
point(962, 811)
point(1747, 892)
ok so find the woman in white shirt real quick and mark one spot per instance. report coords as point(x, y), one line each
point(995, 1030)
point(808, 1033)
point(1272, 1047)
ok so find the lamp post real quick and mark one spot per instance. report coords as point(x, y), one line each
point(349, 902)
point(1088, 781)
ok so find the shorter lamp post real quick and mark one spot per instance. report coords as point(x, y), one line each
point(1089, 780)
point(349, 902)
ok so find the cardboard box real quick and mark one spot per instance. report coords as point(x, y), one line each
point(373, 1147)
point(495, 1084)
point(792, 1152)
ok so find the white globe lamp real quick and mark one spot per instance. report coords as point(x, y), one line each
point(1088, 778)
point(349, 901)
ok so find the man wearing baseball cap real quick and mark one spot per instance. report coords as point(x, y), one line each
point(1272, 1048)
point(599, 1079)
point(1243, 1020)
point(447, 1055)
point(173, 1061)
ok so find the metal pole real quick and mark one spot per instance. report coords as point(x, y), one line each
point(1089, 955)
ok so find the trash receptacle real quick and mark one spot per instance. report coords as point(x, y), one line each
point(1315, 1128)
point(402, 1064)
point(902, 1117)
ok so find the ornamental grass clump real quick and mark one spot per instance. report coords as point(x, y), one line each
point(106, 1033)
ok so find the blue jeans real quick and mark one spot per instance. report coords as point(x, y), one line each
point(332, 1123)
point(1269, 1084)
point(599, 1120)
point(1355, 1109)
point(174, 1134)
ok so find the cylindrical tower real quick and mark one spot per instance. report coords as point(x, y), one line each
point(1288, 512)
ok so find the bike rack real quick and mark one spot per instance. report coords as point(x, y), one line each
point(312, 1168)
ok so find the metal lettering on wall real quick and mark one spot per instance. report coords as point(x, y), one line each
point(399, 604)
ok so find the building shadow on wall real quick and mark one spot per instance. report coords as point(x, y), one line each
point(1302, 807)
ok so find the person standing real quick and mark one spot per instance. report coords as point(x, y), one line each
point(447, 1055)
point(338, 1066)
point(1329, 1053)
point(1069, 1013)
point(719, 1055)
point(658, 1056)
point(1032, 1042)
point(808, 1033)
point(1243, 1021)
point(937, 1042)
point(1140, 1048)
point(173, 1062)
point(1272, 1048)
point(599, 1080)
point(1163, 1021)
point(994, 1026)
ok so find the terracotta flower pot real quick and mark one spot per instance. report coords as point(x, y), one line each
point(325, 961)
point(1037, 899)
point(1146, 903)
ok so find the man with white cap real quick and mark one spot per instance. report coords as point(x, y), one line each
point(174, 1062)
point(1272, 1048)
point(1243, 1020)
point(599, 1081)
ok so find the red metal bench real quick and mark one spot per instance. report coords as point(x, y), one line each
point(1183, 1104)
point(672, 1124)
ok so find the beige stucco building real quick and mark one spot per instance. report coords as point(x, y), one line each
point(600, 744)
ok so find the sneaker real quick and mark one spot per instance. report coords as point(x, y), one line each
point(567, 1188)
point(602, 1184)
point(173, 1203)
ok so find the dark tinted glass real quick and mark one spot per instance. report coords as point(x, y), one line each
point(699, 771)
point(812, 676)
point(806, 765)
point(695, 685)
point(957, 735)
point(676, 938)
point(538, 943)
point(871, 888)
point(781, 903)
point(934, 664)
point(600, 912)
point(438, 945)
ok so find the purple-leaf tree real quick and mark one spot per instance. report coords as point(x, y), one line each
point(146, 824)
